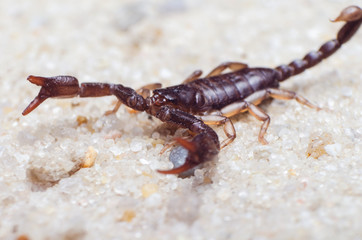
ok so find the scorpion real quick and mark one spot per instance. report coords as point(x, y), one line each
point(212, 100)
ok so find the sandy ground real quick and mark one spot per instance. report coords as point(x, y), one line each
point(305, 184)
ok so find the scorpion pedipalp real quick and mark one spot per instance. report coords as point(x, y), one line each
point(190, 146)
point(183, 168)
point(191, 160)
point(60, 86)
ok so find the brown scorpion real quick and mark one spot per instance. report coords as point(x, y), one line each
point(200, 102)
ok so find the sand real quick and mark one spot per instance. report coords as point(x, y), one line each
point(67, 171)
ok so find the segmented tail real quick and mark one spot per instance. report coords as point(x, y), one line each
point(353, 17)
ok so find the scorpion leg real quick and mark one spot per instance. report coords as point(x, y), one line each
point(233, 66)
point(249, 104)
point(229, 129)
point(193, 76)
point(259, 114)
point(254, 110)
point(145, 91)
point(288, 95)
point(203, 147)
point(115, 109)
point(276, 93)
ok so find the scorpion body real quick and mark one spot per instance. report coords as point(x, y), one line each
point(216, 92)
point(200, 102)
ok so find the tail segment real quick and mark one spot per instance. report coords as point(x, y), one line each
point(353, 17)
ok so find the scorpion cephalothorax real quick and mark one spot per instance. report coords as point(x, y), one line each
point(200, 102)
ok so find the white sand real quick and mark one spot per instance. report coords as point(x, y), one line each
point(251, 192)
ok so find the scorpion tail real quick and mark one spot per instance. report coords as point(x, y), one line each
point(352, 15)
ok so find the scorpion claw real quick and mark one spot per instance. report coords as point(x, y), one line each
point(194, 153)
point(182, 160)
point(34, 104)
point(187, 144)
point(60, 86)
point(40, 81)
point(186, 166)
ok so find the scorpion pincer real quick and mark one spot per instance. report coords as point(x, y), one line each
point(212, 100)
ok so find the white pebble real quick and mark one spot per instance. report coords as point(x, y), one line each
point(331, 168)
point(116, 150)
point(223, 194)
point(333, 149)
point(155, 135)
point(165, 73)
point(136, 145)
point(144, 161)
point(346, 91)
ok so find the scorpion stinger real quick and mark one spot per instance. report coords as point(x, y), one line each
point(200, 102)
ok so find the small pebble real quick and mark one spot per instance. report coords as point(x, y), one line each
point(90, 157)
point(128, 215)
point(149, 189)
point(136, 146)
point(333, 149)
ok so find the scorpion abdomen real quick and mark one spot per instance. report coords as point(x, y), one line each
point(210, 93)
point(219, 91)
